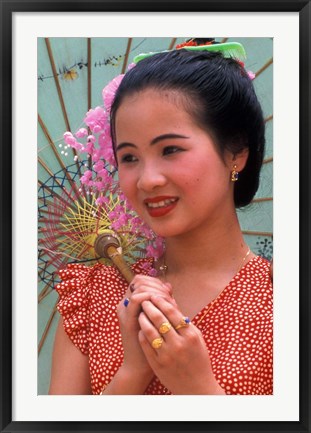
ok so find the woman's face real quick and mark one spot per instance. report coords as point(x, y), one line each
point(169, 167)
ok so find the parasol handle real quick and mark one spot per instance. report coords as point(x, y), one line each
point(107, 246)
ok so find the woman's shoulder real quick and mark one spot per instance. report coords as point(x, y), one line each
point(255, 281)
point(86, 291)
point(259, 267)
point(77, 275)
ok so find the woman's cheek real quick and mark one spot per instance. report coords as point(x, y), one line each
point(128, 185)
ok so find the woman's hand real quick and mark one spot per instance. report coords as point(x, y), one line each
point(182, 361)
point(141, 289)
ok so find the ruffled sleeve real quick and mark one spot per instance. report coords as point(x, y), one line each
point(74, 290)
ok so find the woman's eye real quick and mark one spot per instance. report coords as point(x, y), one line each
point(171, 149)
point(128, 158)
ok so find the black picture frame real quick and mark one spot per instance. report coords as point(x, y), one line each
point(8, 7)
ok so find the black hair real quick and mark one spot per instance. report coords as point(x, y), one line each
point(220, 97)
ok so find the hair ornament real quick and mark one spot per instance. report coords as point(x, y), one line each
point(195, 42)
point(228, 49)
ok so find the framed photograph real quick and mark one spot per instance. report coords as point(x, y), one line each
point(45, 50)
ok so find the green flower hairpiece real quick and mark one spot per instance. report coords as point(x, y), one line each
point(229, 49)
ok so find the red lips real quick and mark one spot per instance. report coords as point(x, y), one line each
point(161, 205)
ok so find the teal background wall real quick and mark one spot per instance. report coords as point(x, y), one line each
point(71, 75)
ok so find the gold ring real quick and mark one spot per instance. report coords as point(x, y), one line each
point(165, 327)
point(157, 343)
point(183, 323)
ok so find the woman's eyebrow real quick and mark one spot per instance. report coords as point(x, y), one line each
point(167, 137)
point(124, 144)
point(153, 141)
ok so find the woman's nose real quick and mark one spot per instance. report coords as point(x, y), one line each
point(150, 178)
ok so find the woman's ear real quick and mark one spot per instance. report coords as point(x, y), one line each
point(240, 159)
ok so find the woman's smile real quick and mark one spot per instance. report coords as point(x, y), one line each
point(160, 206)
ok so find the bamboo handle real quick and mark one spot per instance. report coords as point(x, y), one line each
point(107, 246)
point(120, 263)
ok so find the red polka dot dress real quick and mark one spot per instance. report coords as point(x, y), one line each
point(237, 326)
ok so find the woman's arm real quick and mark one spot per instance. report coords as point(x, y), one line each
point(70, 368)
point(127, 382)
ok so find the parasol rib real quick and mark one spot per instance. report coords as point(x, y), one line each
point(59, 91)
point(128, 48)
point(266, 161)
point(44, 293)
point(89, 73)
point(261, 199)
point(172, 44)
point(264, 67)
point(254, 233)
point(47, 328)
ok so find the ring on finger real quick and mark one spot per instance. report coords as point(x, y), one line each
point(183, 323)
point(157, 343)
point(165, 327)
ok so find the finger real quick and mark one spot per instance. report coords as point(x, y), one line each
point(169, 286)
point(135, 288)
point(160, 322)
point(133, 303)
point(179, 322)
point(149, 352)
point(154, 289)
point(150, 333)
point(142, 282)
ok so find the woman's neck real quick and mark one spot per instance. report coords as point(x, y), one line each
point(218, 247)
point(200, 266)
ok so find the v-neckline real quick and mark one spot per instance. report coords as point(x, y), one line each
point(197, 318)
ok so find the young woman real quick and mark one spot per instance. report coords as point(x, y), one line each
point(188, 135)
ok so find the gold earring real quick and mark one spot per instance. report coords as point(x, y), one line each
point(234, 174)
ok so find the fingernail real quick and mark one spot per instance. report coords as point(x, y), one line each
point(126, 302)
